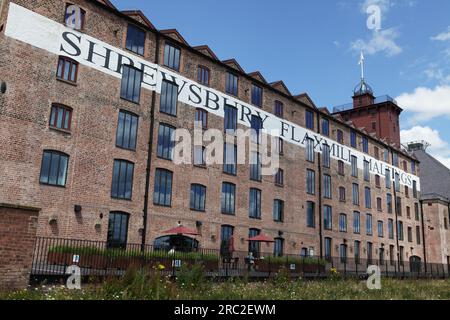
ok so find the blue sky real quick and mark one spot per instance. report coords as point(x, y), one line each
point(313, 46)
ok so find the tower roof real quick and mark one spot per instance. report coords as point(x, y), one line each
point(362, 88)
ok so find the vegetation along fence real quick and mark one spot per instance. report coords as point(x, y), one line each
point(52, 256)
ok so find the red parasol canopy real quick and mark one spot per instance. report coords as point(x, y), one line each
point(181, 230)
point(261, 238)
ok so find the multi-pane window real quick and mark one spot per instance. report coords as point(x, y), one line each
point(256, 126)
point(231, 85)
point(230, 118)
point(310, 182)
point(377, 181)
point(395, 159)
point(257, 95)
point(328, 248)
point(226, 233)
point(340, 136)
point(379, 207)
point(199, 156)
point(67, 69)
point(410, 235)
point(326, 156)
point(60, 117)
point(366, 170)
point(166, 141)
point(342, 194)
point(279, 177)
point(327, 218)
point(163, 188)
point(416, 211)
point(278, 247)
point(353, 142)
point(397, 182)
point(400, 230)
point(343, 253)
point(310, 214)
point(253, 246)
point(74, 17)
point(230, 158)
point(198, 197)
point(309, 119)
point(172, 57)
point(355, 194)
point(117, 230)
point(380, 229)
point(343, 222)
point(391, 228)
point(203, 75)
point(326, 127)
point(389, 202)
point(278, 210)
point(368, 197)
point(135, 40)
point(131, 83)
point(228, 198)
point(255, 203)
point(201, 117)
point(122, 181)
point(387, 177)
point(357, 250)
point(279, 112)
point(341, 167)
point(418, 239)
point(354, 161)
point(127, 131)
point(255, 166)
point(369, 230)
point(386, 155)
point(169, 98)
point(398, 205)
point(356, 222)
point(365, 144)
point(54, 168)
point(310, 156)
point(327, 186)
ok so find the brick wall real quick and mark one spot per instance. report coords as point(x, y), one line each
point(17, 237)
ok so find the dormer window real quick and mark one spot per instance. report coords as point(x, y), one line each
point(74, 17)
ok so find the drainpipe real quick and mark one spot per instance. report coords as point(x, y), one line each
point(149, 152)
point(396, 212)
point(320, 194)
point(423, 234)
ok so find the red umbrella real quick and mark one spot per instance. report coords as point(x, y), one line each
point(261, 238)
point(181, 230)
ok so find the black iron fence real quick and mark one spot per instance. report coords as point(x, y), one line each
point(52, 257)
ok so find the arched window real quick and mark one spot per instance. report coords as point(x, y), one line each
point(117, 230)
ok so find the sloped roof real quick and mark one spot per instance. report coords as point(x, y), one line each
point(234, 64)
point(279, 85)
point(173, 33)
point(206, 50)
point(303, 97)
point(108, 3)
point(258, 75)
point(139, 16)
point(434, 176)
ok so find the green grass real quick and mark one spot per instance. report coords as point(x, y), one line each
point(191, 285)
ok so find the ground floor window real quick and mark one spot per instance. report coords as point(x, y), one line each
point(117, 230)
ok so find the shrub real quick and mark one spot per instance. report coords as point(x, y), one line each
point(191, 276)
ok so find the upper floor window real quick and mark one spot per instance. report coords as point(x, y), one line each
point(203, 75)
point(135, 40)
point(415, 189)
point(230, 158)
point(380, 229)
point(67, 69)
point(256, 126)
point(365, 143)
point(368, 198)
point(355, 194)
point(389, 202)
point(366, 170)
point(342, 194)
point(377, 181)
point(279, 112)
point(231, 85)
point(369, 230)
point(131, 83)
point(413, 167)
point(325, 127)
point(310, 150)
point(163, 188)
point(228, 198)
point(166, 142)
point(117, 230)
point(198, 197)
point(255, 167)
point(354, 162)
point(54, 168)
point(279, 147)
point(169, 98)
point(75, 17)
point(356, 222)
point(310, 214)
point(230, 118)
point(340, 136)
point(326, 155)
point(343, 222)
point(199, 156)
point(255, 203)
point(327, 186)
point(387, 178)
point(279, 177)
point(127, 130)
point(201, 117)
point(310, 182)
point(122, 181)
point(309, 119)
point(391, 228)
point(386, 155)
point(376, 152)
point(395, 159)
point(327, 218)
point(257, 95)
point(341, 167)
point(353, 139)
point(405, 166)
point(172, 57)
point(60, 117)
point(278, 210)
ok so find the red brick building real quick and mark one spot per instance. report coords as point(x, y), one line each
point(86, 114)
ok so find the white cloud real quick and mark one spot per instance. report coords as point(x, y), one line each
point(443, 36)
point(381, 41)
point(383, 4)
point(440, 149)
point(426, 103)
